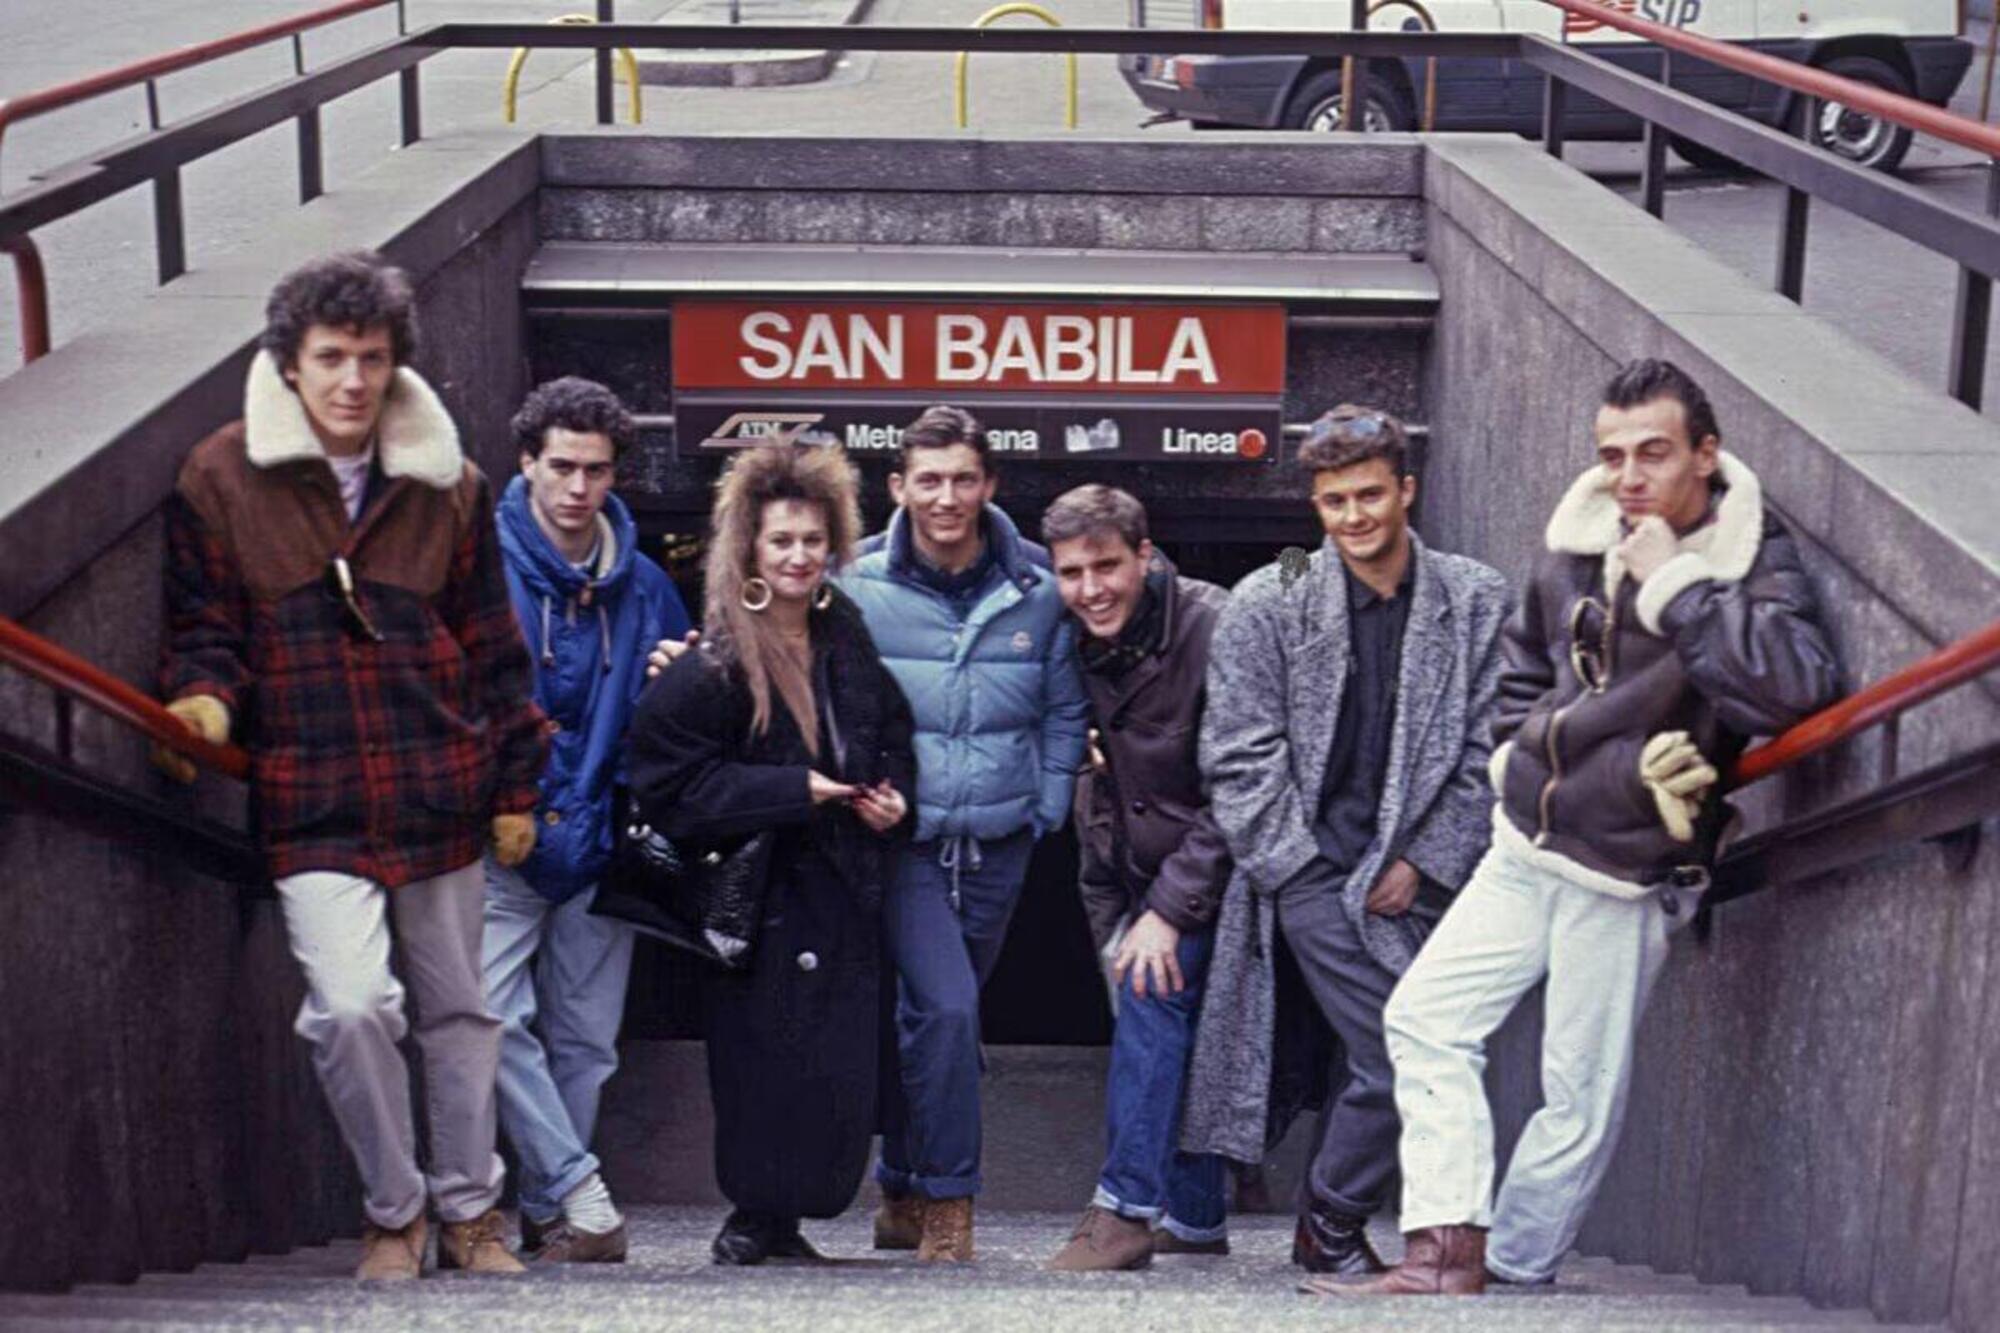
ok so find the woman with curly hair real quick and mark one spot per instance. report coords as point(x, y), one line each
point(784, 719)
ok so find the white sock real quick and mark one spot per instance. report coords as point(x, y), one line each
point(588, 1207)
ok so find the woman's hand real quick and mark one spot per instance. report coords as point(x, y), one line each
point(881, 807)
point(823, 788)
point(668, 651)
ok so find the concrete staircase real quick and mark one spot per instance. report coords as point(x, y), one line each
point(669, 1284)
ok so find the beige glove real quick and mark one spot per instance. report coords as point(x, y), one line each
point(1677, 775)
point(513, 838)
point(204, 715)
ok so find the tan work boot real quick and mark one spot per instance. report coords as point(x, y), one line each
point(1440, 1261)
point(568, 1244)
point(478, 1246)
point(947, 1232)
point(1104, 1242)
point(392, 1256)
point(899, 1222)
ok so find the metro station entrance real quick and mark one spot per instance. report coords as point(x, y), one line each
point(1182, 377)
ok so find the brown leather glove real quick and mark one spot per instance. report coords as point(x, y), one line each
point(513, 838)
point(204, 715)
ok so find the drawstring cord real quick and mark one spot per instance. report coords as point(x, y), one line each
point(604, 637)
point(548, 651)
point(957, 852)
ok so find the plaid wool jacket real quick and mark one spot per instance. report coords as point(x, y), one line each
point(385, 728)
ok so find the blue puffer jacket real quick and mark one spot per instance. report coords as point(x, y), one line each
point(1000, 710)
point(589, 638)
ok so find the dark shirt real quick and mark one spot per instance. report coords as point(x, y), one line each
point(1361, 738)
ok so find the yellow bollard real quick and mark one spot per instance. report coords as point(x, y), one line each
point(988, 19)
point(629, 61)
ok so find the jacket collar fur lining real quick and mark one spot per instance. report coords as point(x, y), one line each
point(415, 436)
point(1586, 523)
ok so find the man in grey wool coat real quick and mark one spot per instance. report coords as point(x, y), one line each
point(1346, 741)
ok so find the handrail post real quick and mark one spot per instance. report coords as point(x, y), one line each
point(169, 225)
point(1653, 176)
point(312, 161)
point(1972, 316)
point(32, 287)
point(1798, 206)
point(412, 107)
point(1555, 106)
point(603, 62)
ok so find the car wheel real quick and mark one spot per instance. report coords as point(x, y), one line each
point(1317, 105)
point(1706, 158)
point(1863, 139)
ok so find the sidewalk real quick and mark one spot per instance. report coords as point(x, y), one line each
point(748, 68)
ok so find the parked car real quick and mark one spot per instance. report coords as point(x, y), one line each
point(1913, 47)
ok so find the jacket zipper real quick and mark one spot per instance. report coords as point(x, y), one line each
point(1555, 727)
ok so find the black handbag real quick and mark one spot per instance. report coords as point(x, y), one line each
point(705, 900)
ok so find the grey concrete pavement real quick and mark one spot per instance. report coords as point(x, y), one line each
point(669, 1284)
point(751, 68)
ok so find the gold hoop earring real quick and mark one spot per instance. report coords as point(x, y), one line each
point(823, 596)
point(756, 594)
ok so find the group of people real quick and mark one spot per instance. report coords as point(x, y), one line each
point(1371, 788)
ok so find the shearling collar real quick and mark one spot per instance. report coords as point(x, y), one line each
point(1586, 522)
point(415, 436)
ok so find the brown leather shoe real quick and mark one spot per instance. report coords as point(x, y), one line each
point(899, 1222)
point(947, 1234)
point(1440, 1261)
point(565, 1244)
point(392, 1256)
point(478, 1246)
point(1104, 1242)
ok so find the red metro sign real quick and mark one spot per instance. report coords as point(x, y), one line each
point(1104, 382)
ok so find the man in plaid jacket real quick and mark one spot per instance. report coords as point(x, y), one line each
point(336, 599)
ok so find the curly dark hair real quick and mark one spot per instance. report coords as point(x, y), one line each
point(577, 404)
point(1640, 382)
point(1349, 435)
point(355, 290)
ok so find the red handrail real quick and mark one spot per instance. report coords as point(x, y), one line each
point(1952, 665)
point(31, 653)
point(1905, 111)
point(61, 95)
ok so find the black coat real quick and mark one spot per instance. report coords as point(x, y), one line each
point(795, 1040)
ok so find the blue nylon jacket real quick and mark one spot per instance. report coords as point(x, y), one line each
point(588, 638)
point(999, 707)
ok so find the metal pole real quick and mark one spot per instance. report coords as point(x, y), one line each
point(412, 104)
point(152, 104)
point(1986, 89)
point(1798, 205)
point(1555, 100)
point(1972, 317)
point(1653, 177)
point(604, 90)
point(169, 230)
point(312, 166)
point(1350, 84)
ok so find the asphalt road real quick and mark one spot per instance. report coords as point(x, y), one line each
point(1888, 293)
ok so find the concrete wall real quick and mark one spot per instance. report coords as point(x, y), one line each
point(155, 1108)
point(1807, 1111)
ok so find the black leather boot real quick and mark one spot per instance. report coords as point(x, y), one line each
point(745, 1239)
point(1332, 1242)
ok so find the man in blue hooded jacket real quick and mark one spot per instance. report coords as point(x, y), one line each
point(591, 608)
point(974, 631)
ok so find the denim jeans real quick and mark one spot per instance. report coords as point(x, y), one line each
point(1145, 1176)
point(947, 909)
point(555, 976)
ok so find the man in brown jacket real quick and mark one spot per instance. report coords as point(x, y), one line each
point(1154, 867)
point(335, 597)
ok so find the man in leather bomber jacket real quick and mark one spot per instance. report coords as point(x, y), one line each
point(1670, 622)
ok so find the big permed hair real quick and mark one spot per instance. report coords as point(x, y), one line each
point(940, 427)
point(576, 404)
point(1640, 382)
point(356, 290)
point(1094, 510)
point(818, 475)
point(1349, 435)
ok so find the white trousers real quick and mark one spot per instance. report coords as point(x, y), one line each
point(1513, 924)
point(339, 926)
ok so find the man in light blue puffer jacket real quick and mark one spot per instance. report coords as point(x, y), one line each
point(974, 631)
